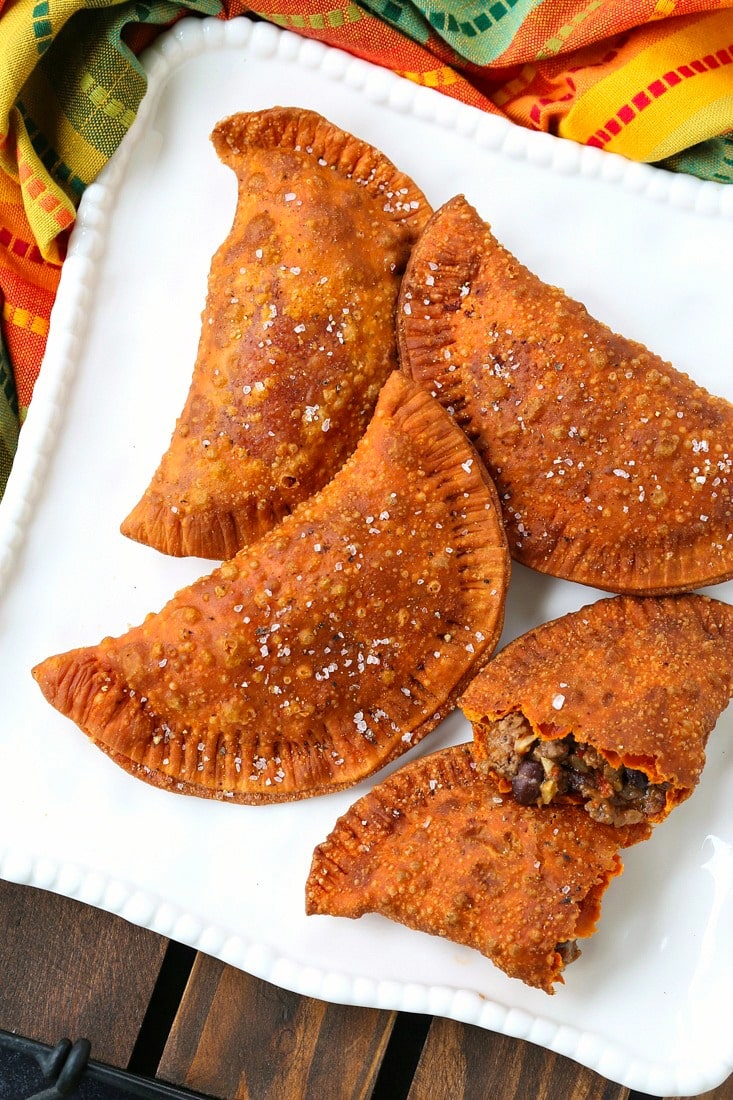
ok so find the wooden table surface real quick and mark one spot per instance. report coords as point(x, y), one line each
point(161, 1010)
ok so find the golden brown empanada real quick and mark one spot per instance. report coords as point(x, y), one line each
point(438, 847)
point(613, 469)
point(610, 706)
point(326, 649)
point(297, 335)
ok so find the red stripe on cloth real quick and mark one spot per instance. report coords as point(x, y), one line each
point(27, 250)
point(628, 111)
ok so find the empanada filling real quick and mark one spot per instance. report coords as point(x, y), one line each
point(540, 770)
point(568, 951)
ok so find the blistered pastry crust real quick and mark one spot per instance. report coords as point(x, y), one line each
point(641, 680)
point(297, 335)
point(438, 847)
point(329, 647)
point(613, 468)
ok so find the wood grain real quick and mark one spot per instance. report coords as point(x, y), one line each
point(240, 1038)
point(462, 1062)
point(70, 971)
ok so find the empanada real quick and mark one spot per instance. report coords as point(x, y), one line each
point(297, 334)
point(326, 649)
point(610, 706)
point(613, 468)
point(439, 848)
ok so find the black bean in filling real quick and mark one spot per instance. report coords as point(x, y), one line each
point(540, 770)
point(527, 783)
point(568, 951)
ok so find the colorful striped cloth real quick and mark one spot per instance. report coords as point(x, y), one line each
point(650, 79)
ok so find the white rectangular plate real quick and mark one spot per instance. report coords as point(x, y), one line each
point(648, 1004)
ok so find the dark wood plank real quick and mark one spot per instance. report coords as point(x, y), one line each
point(72, 971)
point(240, 1038)
point(461, 1062)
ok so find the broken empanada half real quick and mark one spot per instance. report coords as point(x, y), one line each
point(326, 649)
point(297, 334)
point(438, 847)
point(610, 706)
point(613, 468)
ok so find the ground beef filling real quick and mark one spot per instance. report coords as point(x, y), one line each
point(540, 770)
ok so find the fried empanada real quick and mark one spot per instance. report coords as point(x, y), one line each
point(613, 468)
point(438, 847)
point(326, 649)
point(297, 334)
point(610, 706)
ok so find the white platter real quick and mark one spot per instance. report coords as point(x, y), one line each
point(648, 1003)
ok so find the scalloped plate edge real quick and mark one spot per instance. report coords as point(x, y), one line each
point(44, 423)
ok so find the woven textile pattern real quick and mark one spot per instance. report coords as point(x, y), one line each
point(650, 79)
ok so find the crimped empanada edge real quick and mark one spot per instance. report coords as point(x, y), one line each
point(671, 561)
point(91, 694)
point(308, 132)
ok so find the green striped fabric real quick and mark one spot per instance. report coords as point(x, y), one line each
point(478, 32)
point(710, 160)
